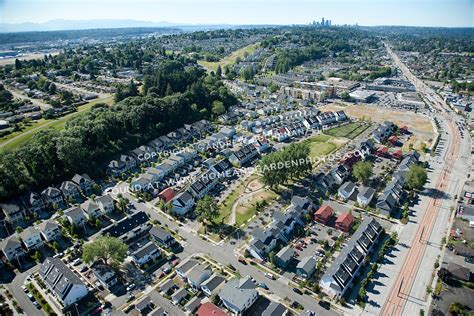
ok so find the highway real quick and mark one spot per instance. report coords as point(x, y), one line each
point(407, 288)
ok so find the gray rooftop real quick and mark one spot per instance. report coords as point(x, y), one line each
point(238, 292)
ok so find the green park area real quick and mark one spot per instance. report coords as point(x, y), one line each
point(321, 145)
point(351, 130)
point(228, 60)
point(16, 139)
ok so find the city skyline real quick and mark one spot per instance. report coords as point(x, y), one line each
point(457, 13)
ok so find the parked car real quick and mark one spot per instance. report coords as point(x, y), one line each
point(131, 287)
point(84, 268)
point(263, 286)
point(270, 276)
point(24, 289)
point(77, 262)
point(242, 261)
point(324, 304)
point(297, 291)
point(37, 305)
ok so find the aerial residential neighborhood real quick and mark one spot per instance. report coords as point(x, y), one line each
point(245, 158)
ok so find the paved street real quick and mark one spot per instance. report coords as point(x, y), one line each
point(224, 254)
point(404, 279)
point(20, 296)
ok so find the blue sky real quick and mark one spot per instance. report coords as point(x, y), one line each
point(364, 12)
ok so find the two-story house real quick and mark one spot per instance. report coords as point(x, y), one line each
point(84, 182)
point(31, 238)
point(91, 210)
point(14, 212)
point(49, 230)
point(53, 196)
point(145, 254)
point(75, 216)
point(11, 248)
point(238, 295)
point(106, 203)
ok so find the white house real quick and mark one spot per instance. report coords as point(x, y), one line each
point(182, 203)
point(365, 196)
point(75, 216)
point(238, 295)
point(63, 283)
point(146, 254)
point(106, 203)
point(11, 248)
point(49, 230)
point(31, 238)
point(91, 209)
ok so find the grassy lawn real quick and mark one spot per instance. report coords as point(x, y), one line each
point(351, 130)
point(16, 139)
point(226, 207)
point(249, 209)
point(229, 60)
point(319, 149)
point(321, 145)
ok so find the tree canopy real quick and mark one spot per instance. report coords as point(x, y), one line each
point(291, 162)
point(109, 249)
point(416, 177)
point(362, 171)
point(206, 209)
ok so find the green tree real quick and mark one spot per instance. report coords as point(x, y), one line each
point(416, 177)
point(218, 108)
point(345, 96)
point(56, 246)
point(206, 210)
point(362, 171)
point(109, 249)
point(37, 256)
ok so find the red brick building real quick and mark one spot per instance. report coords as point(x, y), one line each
point(344, 222)
point(323, 214)
point(209, 309)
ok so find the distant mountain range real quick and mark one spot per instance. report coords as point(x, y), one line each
point(59, 25)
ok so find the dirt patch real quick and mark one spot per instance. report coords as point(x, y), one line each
point(254, 185)
point(421, 126)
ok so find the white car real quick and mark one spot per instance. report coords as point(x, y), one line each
point(270, 276)
point(131, 287)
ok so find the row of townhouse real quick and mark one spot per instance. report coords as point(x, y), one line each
point(340, 173)
point(130, 227)
point(393, 193)
point(168, 168)
point(15, 211)
point(152, 150)
point(16, 246)
point(65, 286)
point(200, 187)
point(264, 240)
point(90, 210)
point(293, 123)
point(345, 268)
